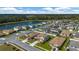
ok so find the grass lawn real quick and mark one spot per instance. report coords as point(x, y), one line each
point(45, 45)
point(39, 48)
point(8, 47)
point(21, 38)
point(63, 48)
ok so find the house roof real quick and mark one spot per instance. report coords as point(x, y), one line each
point(66, 32)
point(7, 31)
point(1, 33)
point(41, 35)
point(57, 41)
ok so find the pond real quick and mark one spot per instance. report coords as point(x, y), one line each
point(10, 26)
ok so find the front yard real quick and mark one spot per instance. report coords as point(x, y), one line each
point(44, 46)
point(66, 43)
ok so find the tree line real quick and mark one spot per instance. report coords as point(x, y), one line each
point(24, 17)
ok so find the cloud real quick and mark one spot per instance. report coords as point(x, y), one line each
point(65, 10)
point(48, 9)
point(58, 10)
point(10, 10)
point(7, 8)
point(43, 10)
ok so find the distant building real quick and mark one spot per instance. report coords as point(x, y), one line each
point(30, 26)
point(65, 33)
point(69, 26)
point(53, 31)
point(24, 27)
point(6, 32)
point(17, 28)
point(1, 33)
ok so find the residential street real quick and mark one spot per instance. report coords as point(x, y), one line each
point(12, 39)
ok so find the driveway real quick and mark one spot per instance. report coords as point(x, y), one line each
point(34, 43)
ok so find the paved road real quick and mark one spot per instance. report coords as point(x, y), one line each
point(74, 45)
point(25, 46)
point(2, 41)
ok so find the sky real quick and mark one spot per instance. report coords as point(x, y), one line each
point(39, 3)
point(39, 10)
point(39, 6)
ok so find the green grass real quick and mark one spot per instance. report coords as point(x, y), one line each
point(45, 45)
point(21, 38)
point(8, 47)
point(66, 43)
point(39, 48)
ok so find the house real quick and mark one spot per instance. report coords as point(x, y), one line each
point(70, 27)
point(30, 26)
point(1, 33)
point(33, 34)
point(41, 37)
point(56, 42)
point(6, 32)
point(17, 28)
point(53, 31)
point(24, 27)
point(65, 33)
